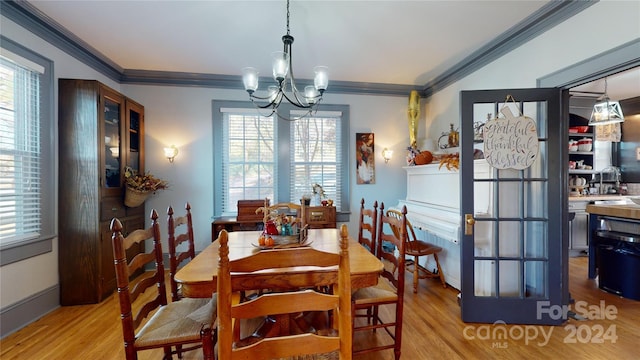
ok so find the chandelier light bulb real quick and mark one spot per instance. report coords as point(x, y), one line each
point(250, 79)
point(280, 65)
point(311, 94)
point(321, 80)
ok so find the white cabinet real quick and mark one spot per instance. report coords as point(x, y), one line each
point(579, 228)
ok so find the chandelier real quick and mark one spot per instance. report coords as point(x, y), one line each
point(286, 87)
point(606, 111)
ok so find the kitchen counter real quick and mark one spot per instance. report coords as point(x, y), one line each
point(614, 252)
point(627, 211)
point(597, 197)
point(626, 214)
point(579, 219)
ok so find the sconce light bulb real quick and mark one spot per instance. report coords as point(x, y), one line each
point(387, 154)
point(171, 152)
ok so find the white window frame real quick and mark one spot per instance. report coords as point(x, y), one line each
point(17, 247)
point(284, 153)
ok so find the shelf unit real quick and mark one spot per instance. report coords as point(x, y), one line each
point(588, 157)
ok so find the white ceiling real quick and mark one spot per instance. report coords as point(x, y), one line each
point(388, 42)
point(394, 42)
point(623, 85)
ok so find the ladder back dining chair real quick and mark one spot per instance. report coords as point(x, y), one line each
point(181, 245)
point(367, 229)
point(417, 248)
point(337, 338)
point(177, 326)
point(390, 288)
point(367, 232)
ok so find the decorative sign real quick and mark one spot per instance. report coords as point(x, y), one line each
point(510, 142)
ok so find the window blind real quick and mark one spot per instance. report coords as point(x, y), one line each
point(257, 157)
point(20, 150)
point(315, 152)
point(249, 168)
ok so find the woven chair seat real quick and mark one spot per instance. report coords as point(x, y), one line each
point(179, 321)
point(382, 292)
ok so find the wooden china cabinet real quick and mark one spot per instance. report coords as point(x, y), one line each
point(101, 132)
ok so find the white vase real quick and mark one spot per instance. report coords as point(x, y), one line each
point(315, 200)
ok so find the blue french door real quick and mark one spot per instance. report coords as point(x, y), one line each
point(514, 214)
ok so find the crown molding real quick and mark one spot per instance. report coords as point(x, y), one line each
point(548, 16)
point(620, 58)
point(32, 19)
point(169, 78)
point(42, 25)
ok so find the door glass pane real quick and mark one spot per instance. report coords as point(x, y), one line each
point(535, 239)
point(538, 169)
point(510, 199)
point(510, 278)
point(536, 201)
point(482, 190)
point(509, 174)
point(483, 237)
point(485, 275)
point(134, 140)
point(481, 113)
point(509, 238)
point(537, 111)
point(112, 143)
point(535, 273)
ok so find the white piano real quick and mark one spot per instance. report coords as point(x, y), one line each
point(433, 207)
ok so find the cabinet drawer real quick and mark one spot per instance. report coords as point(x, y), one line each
point(111, 207)
point(576, 206)
point(315, 216)
point(318, 217)
point(136, 211)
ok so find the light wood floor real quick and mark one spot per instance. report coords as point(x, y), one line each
point(432, 330)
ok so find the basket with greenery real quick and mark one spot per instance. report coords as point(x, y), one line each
point(140, 186)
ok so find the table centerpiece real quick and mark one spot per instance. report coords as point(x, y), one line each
point(281, 229)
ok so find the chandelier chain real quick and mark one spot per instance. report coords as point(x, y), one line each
point(288, 17)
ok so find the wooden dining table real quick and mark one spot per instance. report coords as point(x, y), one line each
point(198, 277)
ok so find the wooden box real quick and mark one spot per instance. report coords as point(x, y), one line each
point(320, 217)
point(247, 210)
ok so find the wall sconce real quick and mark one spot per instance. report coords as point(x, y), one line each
point(171, 152)
point(386, 155)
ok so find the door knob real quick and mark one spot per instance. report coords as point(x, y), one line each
point(469, 221)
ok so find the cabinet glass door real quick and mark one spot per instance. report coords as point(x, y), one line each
point(135, 136)
point(112, 143)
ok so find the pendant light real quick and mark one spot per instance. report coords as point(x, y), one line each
point(606, 111)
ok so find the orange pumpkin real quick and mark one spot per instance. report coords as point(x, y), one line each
point(424, 157)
